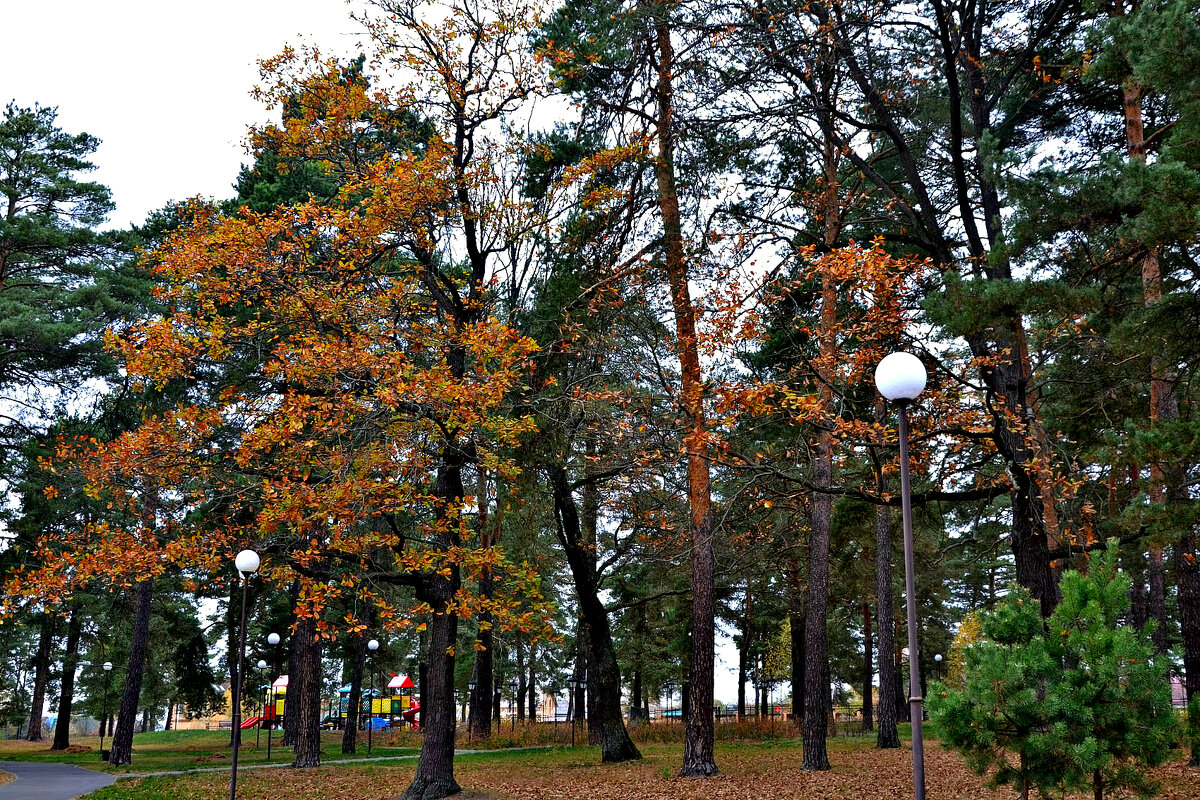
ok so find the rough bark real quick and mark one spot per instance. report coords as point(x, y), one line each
point(868, 718)
point(797, 622)
point(434, 776)
point(886, 736)
point(62, 728)
point(41, 678)
point(304, 687)
point(121, 753)
point(615, 744)
point(698, 757)
point(354, 699)
point(532, 684)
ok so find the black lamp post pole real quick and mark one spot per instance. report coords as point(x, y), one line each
point(237, 695)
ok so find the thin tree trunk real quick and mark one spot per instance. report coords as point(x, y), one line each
point(532, 684)
point(482, 697)
point(816, 723)
point(886, 736)
point(868, 718)
point(354, 700)
point(698, 757)
point(41, 677)
point(520, 694)
point(62, 728)
point(122, 742)
point(744, 651)
point(798, 623)
point(615, 744)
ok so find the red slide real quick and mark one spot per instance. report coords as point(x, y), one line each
point(250, 723)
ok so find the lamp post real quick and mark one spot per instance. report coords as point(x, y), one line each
point(900, 377)
point(372, 645)
point(246, 564)
point(670, 687)
point(107, 667)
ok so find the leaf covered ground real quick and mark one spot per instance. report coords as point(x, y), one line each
point(748, 770)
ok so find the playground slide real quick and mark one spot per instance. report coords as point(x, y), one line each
point(250, 723)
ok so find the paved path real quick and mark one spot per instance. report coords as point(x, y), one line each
point(50, 781)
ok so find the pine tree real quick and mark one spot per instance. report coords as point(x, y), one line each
point(1083, 700)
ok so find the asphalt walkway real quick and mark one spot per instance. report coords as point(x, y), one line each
point(35, 781)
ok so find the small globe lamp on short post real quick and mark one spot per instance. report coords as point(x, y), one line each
point(247, 563)
point(372, 645)
point(900, 377)
point(107, 667)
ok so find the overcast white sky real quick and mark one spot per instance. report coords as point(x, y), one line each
point(164, 84)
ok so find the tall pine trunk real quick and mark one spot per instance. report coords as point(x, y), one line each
point(62, 728)
point(122, 742)
point(41, 677)
point(886, 735)
point(698, 757)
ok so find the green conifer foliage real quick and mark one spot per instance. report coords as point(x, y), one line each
point(1082, 701)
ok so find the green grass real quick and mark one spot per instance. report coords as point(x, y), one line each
point(163, 751)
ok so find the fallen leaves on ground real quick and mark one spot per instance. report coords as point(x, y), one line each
point(747, 772)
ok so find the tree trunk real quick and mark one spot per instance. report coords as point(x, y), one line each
point(886, 736)
point(41, 677)
point(797, 622)
point(482, 697)
point(354, 700)
point(615, 744)
point(744, 651)
point(518, 700)
point(122, 742)
point(434, 777)
point(533, 696)
point(698, 757)
point(1188, 578)
point(816, 723)
point(62, 728)
point(868, 675)
point(304, 688)
point(291, 698)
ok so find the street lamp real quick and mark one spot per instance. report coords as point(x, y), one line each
point(900, 377)
point(670, 687)
point(372, 645)
point(246, 564)
point(107, 667)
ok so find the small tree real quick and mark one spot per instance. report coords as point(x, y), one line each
point(1081, 700)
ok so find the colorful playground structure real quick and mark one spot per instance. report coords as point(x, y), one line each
point(394, 706)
